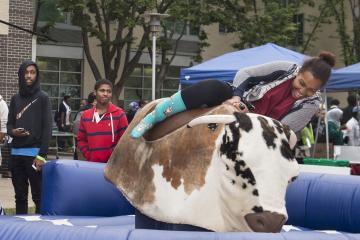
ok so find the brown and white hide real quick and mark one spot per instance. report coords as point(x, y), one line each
point(222, 177)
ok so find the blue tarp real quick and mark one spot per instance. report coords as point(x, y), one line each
point(225, 67)
point(347, 78)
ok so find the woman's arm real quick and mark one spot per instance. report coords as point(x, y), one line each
point(246, 78)
point(301, 115)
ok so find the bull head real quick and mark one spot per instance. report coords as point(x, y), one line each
point(229, 178)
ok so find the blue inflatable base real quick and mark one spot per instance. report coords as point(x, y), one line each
point(79, 204)
point(37, 227)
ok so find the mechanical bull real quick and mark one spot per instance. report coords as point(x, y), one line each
point(213, 168)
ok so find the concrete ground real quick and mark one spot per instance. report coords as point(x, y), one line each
point(7, 195)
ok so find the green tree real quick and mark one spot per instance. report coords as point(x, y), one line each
point(261, 21)
point(113, 24)
point(184, 17)
point(341, 11)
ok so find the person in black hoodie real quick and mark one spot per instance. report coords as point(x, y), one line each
point(29, 124)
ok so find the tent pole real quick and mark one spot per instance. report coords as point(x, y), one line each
point(326, 127)
point(317, 134)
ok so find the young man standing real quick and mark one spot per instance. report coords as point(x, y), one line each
point(101, 126)
point(29, 124)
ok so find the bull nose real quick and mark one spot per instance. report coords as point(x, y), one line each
point(265, 221)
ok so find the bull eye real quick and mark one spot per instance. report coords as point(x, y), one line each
point(212, 126)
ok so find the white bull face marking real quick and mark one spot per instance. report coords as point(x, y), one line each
point(211, 178)
point(258, 164)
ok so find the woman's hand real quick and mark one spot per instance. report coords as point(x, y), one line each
point(236, 102)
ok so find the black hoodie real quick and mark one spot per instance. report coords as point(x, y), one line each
point(36, 118)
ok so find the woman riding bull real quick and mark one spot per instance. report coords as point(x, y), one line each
point(281, 90)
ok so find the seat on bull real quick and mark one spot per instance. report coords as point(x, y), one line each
point(174, 122)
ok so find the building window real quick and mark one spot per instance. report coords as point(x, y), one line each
point(49, 12)
point(138, 85)
point(222, 28)
point(299, 35)
point(60, 76)
point(178, 27)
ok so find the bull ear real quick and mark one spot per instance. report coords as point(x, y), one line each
point(211, 119)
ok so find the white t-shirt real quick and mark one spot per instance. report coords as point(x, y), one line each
point(67, 114)
point(353, 132)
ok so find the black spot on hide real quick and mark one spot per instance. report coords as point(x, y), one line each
point(255, 192)
point(244, 185)
point(257, 209)
point(286, 151)
point(278, 126)
point(245, 173)
point(233, 181)
point(268, 132)
point(229, 147)
point(287, 131)
point(244, 121)
point(293, 179)
point(227, 167)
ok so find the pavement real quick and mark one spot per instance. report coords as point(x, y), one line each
point(7, 195)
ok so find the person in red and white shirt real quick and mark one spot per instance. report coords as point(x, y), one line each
point(102, 126)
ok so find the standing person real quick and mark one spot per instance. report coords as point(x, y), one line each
point(348, 110)
point(102, 126)
point(133, 108)
point(334, 103)
point(353, 128)
point(90, 103)
point(83, 102)
point(281, 90)
point(4, 111)
point(65, 112)
point(64, 124)
point(334, 116)
point(29, 124)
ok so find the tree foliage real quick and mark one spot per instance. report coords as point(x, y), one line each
point(341, 12)
point(113, 24)
point(259, 22)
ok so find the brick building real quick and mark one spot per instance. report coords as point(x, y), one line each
point(15, 44)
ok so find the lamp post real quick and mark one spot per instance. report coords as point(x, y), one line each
point(155, 29)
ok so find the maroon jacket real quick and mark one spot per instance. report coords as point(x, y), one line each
point(97, 140)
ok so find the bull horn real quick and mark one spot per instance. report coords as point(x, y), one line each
point(292, 139)
point(212, 119)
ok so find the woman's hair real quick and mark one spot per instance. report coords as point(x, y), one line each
point(320, 66)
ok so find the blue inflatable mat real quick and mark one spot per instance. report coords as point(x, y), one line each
point(78, 188)
point(325, 201)
point(38, 227)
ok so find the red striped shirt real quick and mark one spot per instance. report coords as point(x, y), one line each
point(97, 140)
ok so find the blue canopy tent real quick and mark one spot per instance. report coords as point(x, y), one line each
point(225, 66)
point(347, 78)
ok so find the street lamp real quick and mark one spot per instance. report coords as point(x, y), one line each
point(155, 29)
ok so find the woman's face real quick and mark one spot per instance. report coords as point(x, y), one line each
point(305, 85)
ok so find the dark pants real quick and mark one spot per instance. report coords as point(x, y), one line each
point(208, 93)
point(22, 175)
point(61, 141)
